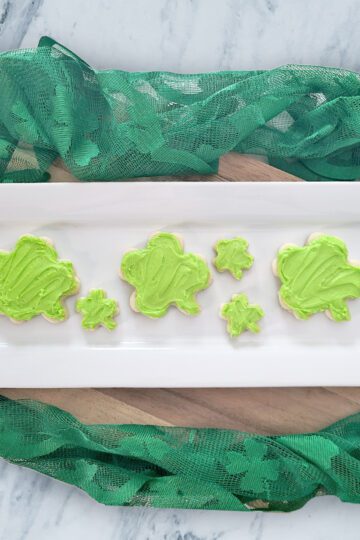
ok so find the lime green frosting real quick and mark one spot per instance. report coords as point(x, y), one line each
point(233, 255)
point(33, 280)
point(163, 274)
point(97, 310)
point(241, 315)
point(318, 277)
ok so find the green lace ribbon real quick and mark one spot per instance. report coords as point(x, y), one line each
point(107, 125)
point(136, 465)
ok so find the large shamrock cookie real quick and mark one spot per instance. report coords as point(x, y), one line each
point(162, 275)
point(317, 277)
point(33, 281)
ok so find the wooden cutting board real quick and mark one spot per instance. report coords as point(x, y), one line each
point(261, 410)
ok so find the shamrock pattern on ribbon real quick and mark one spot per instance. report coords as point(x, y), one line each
point(256, 471)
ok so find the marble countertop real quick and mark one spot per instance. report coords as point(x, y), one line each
point(34, 507)
point(189, 35)
point(184, 36)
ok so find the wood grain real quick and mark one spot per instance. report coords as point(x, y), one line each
point(232, 168)
point(261, 410)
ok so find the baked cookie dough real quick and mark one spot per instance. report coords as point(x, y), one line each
point(241, 316)
point(97, 310)
point(317, 277)
point(233, 255)
point(33, 281)
point(163, 275)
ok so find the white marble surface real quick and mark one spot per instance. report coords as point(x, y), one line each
point(34, 507)
point(186, 36)
point(190, 35)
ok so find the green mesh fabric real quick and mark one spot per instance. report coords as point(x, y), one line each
point(183, 467)
point(107, 125)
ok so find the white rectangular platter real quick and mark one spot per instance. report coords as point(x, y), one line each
point(94, 224)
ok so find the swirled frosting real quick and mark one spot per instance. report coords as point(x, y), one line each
point(233, 255)
point(97, 310)
point(241, 315)
point(163, 274)
point(318, 277)
point(33, 281)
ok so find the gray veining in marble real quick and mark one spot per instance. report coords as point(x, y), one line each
point(34, 507)
point(190, 35)
point(185, 36)
point(15, 21)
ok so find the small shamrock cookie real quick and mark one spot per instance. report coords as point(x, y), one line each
point(97, 310)
point(33, 281)
point(233, 255)
point(241, 316)
point(317, 277)
point(163, 274)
